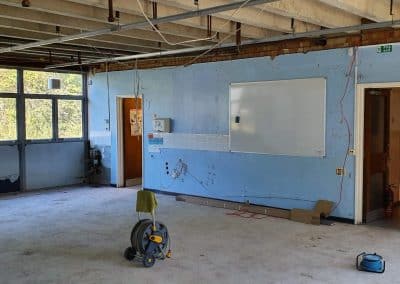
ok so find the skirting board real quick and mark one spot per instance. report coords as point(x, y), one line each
point(269, 211)
point(285, 214)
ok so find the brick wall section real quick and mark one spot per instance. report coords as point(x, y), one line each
point(382, 36)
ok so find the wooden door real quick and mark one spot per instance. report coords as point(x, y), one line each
point(132, 111)
point(376, 124)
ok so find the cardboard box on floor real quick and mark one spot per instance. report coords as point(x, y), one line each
point(322, 209)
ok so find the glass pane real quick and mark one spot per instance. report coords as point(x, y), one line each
point(37, 82)
point(8, 80)
point(8, 119)
point(38, 116)
point(69, 119)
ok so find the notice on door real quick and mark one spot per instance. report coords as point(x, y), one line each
point(136, 122)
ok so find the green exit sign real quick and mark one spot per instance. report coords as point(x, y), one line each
point(385, 48)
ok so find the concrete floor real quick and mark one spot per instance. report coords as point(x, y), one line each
point(78, 236)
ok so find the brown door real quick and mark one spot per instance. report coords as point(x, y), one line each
point(132, 111)
point(376, 122)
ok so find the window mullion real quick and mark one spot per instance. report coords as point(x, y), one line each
point(55, 118)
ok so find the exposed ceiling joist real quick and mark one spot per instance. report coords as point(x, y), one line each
point(35, 36)
point(51, 30)
point(165, 19)
point(101, 52)
point(314, 12)
point(57, 51)
point(94, 20)
point(132, 7)
point(254, 16)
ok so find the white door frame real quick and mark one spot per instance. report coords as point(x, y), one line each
point(120, 138)
point(359, 143)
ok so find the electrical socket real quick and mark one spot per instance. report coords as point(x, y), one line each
point(340, 171)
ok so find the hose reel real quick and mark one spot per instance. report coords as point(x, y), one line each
point(148, 243)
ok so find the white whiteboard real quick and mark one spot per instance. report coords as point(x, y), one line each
point(284, 117)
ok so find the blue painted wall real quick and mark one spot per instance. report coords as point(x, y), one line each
point(47, 165)
point(376, 67)
point(196, 98)
point(54, 164)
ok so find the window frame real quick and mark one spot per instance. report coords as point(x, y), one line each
point(8, 95)
point(20, 97)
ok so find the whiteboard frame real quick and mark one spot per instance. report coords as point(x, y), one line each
point(323, 155)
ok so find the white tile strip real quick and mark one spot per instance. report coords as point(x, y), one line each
point(204, 142)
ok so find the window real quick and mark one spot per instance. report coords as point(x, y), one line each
point(8, 119)
point(53, 112)
point(36, 82)
point(38, 119)
point(8, 80)
point(70, 119)
point(41, 99)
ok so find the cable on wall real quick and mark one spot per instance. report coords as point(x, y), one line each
point(344, 120)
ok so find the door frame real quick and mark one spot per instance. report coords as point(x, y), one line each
point(359, 143)
point(120, 138)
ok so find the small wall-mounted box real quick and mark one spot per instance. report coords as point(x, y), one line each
point(54, 84)
point(162, 125)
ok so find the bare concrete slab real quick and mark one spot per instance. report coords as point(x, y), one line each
point(78, 236)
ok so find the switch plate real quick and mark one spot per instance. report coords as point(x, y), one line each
point(340, 171)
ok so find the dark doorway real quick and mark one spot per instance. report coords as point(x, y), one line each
point(381, 153)
point(375, 152)
point(132, 125)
